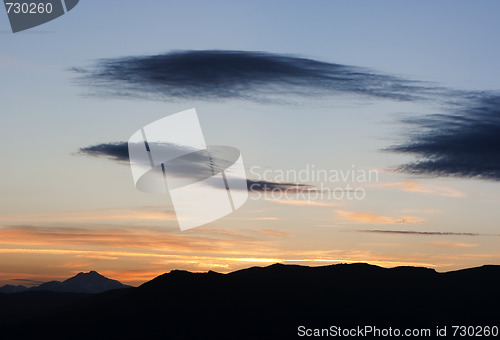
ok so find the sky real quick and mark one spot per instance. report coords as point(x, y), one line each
point(404, 90)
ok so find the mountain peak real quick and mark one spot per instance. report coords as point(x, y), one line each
point(89, 283)
point(91, 273)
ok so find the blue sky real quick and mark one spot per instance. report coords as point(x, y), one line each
point(47, 118)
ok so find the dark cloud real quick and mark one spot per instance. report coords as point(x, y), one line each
point(192, 167)
point(254, 185)
point(432, 233)
point(257, 76)
point(463, 142)
point(115, 151)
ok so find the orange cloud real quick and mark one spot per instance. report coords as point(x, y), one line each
point(139, 238)
point(376, 219)
point(412, 186)
point(421, 211)
point(112, 214)
point(272, 232)
point(452, 244)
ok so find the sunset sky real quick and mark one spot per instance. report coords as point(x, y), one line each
point(404, 90)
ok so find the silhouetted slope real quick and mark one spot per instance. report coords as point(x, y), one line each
point(271, 302)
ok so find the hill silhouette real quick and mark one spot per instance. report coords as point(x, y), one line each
point(13, 289)
point(86, 283)
point(272, 302)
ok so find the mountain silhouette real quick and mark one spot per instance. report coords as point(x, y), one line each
point(272, 302)
point(86, 283)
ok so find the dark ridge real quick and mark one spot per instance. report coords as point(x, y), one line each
point(272, 302)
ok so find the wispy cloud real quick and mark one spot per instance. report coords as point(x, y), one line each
point(222, 74)
point(159, 213)
point(119, 238)
point(447, 244)
point(431, 233)
point(368, 218)
point(413, 186)
point(273, 232)
point(28, 282)
point(420, 211)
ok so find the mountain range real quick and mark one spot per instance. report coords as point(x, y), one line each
point(262, 303)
